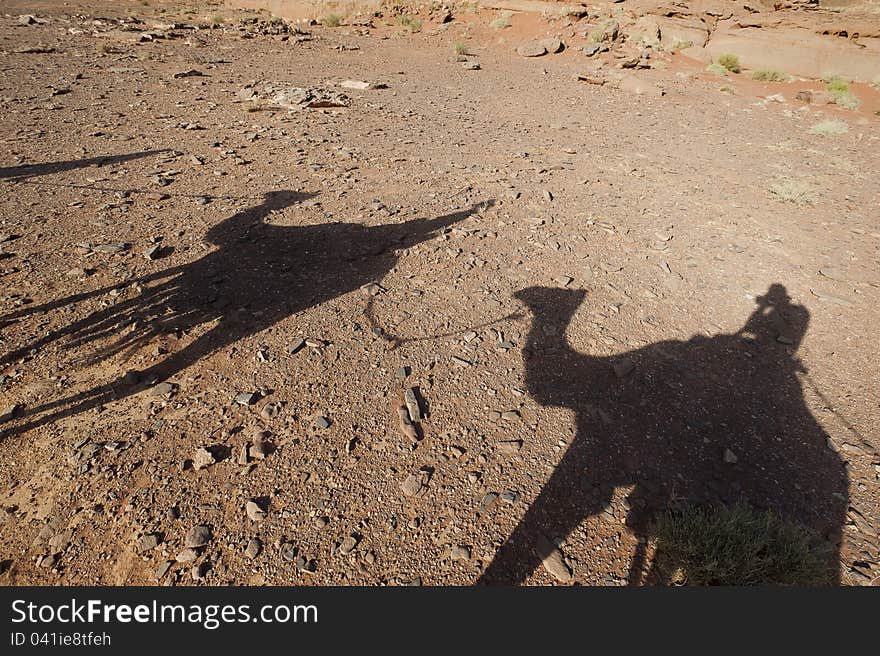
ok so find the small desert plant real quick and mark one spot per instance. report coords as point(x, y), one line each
point(730, 62)
point(681, 45)
point(735, 545)
point(460, 48)
point(216, 20)
point(830, 128)
point(410, 23)
point(792, 191)
point(502, 21)
point(718, 69)
point(769, 75)
point(727, 89)
point(838, 89)
point(332, 20)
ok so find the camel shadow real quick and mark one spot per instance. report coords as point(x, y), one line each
point(258, 275)
point(712, 420)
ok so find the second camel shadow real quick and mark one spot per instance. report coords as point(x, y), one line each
point(258, 275)
point(705, 421)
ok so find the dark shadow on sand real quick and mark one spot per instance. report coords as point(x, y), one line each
point(665, 426)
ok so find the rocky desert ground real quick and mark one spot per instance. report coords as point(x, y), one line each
point(432, 294)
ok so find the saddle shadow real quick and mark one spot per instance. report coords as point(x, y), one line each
point(707, 421)
point(258, 275)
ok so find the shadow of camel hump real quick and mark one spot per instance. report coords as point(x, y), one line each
point(708, 420)
point(258, 275)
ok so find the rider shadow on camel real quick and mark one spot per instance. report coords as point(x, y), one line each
point(258, 275)
point(704, 421)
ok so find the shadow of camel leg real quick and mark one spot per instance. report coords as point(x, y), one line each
point(84, 401)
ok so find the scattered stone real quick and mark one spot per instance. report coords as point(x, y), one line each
point(27, 19)
point(197, 537)
point(203, 458)
point(412, 404)
point(270, 410)
point(288, 551)
point(552, 560)
point(199, 570)
point(416, 484)
point(153, 252)
point(187, 555)
point(296, 346)
point(510, 446)
point(406, 425)
point(487, 500)
point(510, 415)
point(471, 66)
point(805, 96)
point(260, 448)
point(254, 547)
point(247, 398)
point(730, 457)
point(355, 84)
point(254, 511)
point(322, 423)
point(460, 553)
point(148, 542)
point(163, 569)
point(591, 50)
point(510, 496)
point(349, 544)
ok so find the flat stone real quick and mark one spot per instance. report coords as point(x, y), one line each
point(148, 542)
point(187, 555)
point(349, 544)
point(532, 49)
point(552, 560)
point(412, 404)
point(730, 457)
point(460, 553)
point(322, 422)
point(510, 446)
point(254, 511)
point(254, 547)
point(203, 458)
point(198, 536)
point(415, 484)
point(247, 398)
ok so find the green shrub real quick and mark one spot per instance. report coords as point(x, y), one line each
point(735, 545)
point(830, 128)
point(410, 23)
point(332, 20)
point(730, 62)
point(769, 75)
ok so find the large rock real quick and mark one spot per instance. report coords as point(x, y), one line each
point(798, 47)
